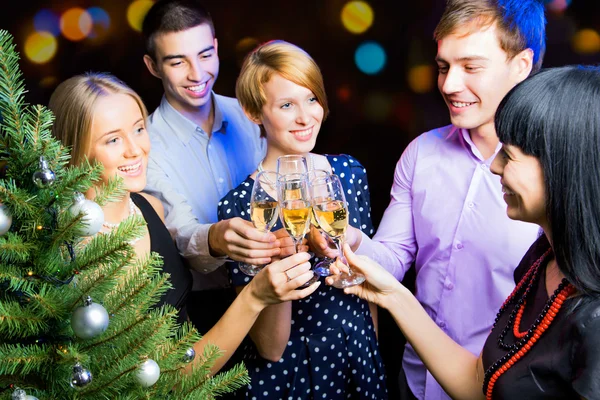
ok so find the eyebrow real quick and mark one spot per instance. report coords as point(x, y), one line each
point(179, 56)
point(465, 58)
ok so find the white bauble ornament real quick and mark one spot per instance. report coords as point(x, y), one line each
point(148, 373)
point(89, 320)
point(93, 214)
point(81, 377)
point(5, 219)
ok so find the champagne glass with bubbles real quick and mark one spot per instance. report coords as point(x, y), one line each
point(295, 209)
point(330, 208)
point(263, 210)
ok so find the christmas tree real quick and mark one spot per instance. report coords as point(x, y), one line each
point(78, 315)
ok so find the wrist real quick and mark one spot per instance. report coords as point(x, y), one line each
point(249, 297)
point(213, 240)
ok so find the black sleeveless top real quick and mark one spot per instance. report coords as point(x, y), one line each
point(162, 243)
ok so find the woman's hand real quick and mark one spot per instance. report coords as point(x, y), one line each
point(277, 282)
point(320, 245)
point(380, 285)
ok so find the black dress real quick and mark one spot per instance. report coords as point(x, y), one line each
point(332, 352)
point(162, 243)
point(565, 362)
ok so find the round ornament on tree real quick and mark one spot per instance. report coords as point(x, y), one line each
point(189, 355)
point(81, 377)
point(148, 373)
point(89, 320)
point(93, 216)
point(5, 220)
point(45, 177)
point(20, 394)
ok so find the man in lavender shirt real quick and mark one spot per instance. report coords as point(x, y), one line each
point(446, 212)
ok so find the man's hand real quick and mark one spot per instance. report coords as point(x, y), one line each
point(241, 241)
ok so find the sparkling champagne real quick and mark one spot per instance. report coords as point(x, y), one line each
point(333, 217)
point(263, 214)
point(295, 215)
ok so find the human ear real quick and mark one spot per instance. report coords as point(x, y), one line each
point(522, 65)
point(151, 65)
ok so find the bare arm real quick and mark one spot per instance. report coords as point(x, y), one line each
point(457, 370)
point(269, 287)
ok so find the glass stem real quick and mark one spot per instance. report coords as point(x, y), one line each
point(339, 244)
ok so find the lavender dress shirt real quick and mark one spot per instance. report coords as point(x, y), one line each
point(448, 216)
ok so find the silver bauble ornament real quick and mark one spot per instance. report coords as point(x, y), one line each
point(89, 320)
point(93, 214)
point(45, 176)
point(189, 355)
point(5, 219)
point(81, 377)
point(148, 373)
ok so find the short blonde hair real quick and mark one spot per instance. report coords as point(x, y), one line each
point(73, 103)
point(285, 59)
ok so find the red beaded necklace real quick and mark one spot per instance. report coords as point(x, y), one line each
point(525, 340)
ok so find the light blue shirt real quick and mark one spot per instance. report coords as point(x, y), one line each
point(190, 171)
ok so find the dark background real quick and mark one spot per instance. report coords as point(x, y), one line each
point(378, 116)
point(373, 117)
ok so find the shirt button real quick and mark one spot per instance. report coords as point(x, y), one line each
point(459, 246)
point(471, 204)
point(221, 180)
point(442, 324)
point(449, 285)
point(484, 166)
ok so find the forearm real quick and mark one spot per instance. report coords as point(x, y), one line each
point(395, 262)
point(271, 332)
point(232, 328)
point(454, 367)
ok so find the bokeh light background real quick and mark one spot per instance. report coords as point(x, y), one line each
point(376, 57)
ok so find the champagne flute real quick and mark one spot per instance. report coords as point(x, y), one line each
point(292, 164)
point(330, 207)
point(322, 267)
point(295, 209)
point(263, 210)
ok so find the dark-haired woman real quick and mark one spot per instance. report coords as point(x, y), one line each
point(545, 343)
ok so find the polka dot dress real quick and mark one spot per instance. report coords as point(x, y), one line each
point(332, 352)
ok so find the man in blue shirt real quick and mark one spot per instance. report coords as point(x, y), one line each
point(202, 147)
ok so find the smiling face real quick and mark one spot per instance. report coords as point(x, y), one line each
point(291, 117)
point(523, 185)
point(475, 74)
point(188, 65)
point(119, 140)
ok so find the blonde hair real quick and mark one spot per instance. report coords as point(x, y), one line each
point(73, 103)
point(285, 59)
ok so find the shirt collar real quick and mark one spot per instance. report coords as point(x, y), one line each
point(189, 128)
point(475, 150)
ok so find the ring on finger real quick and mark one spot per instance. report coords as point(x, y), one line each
point(287, 276)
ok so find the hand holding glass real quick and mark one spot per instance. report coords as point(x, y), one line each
point(330, 207)
point(263, 210)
